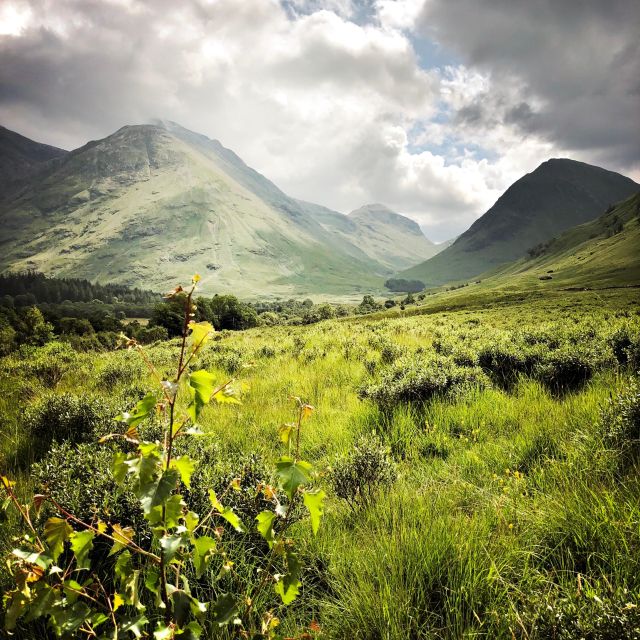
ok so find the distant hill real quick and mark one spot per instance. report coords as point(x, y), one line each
point(21, 157)
point(558, 195)
point(151, 204)
point(601, 253)
point(387, 237)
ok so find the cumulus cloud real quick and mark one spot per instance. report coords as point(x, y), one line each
point(566, 71)
point(328, 98)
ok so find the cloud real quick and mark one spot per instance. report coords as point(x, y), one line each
point(328, 98)
point(566, 71)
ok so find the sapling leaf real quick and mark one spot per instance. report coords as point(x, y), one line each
point(205, 548)
point(292, 474)
point(56, 533)
point(288, 586)
point(265, 525)
point(224, 610)
point(185, 467)
point(140, 412)
point(201, 386)
point(314, 501)
point(82, 544)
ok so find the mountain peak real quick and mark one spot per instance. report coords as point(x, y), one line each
point(559, 194)
point(382, 213)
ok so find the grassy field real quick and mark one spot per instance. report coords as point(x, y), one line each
point(479, 454)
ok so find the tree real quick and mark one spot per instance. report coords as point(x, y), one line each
point(35, 330)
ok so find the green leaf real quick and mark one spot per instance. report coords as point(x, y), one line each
point(16, 605)
point(123, 566)
point(141, 411)
point(265, 525)
point(170, 545)
point(229, 515)
point(135, 625)
point(185, 467)
point(119, 467)
point(201, 333)
point(173, 509)
point(191, 520)
point(205, 548)
point(201, 387)
point(163, 633)
point(224, 610)
point(82, 544)
point(288, 587)
point(292, 474)
point(56, 533)
point(314, 501)
point(31, 557)
point(122, 537)
point(155, 493)
point(45, 599)
point(226, 396)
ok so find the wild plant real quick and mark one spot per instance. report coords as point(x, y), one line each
point(93, 578)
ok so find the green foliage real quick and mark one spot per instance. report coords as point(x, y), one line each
point(64, 418)
point(358, 476)
point(402, 285)
point(420, 379)
point(620, 423)
point(55, 569)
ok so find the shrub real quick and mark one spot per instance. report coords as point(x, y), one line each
point(620, 423)
point(419, 379)
point(589, 614)
point(120, 372)
point(79, 478)
point(568, 368)
point(52, 362)
point(504, 362)
point(358, 476)
point(65, 418)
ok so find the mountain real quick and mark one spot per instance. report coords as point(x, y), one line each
point(600, 253)
point(388, 238)
point(559, 194)
point(21, 157)
point(151, 204)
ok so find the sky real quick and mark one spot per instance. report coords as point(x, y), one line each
point(431, 107)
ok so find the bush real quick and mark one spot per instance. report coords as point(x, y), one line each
point(588, 614)
point(120, 372)
point(419, 379)
point(358, 476)
point(79, 478)
point(49, 363)
point(568, 368)
point(505, 362)
point(65, 418)
point(620, 423)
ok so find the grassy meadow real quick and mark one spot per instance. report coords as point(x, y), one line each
point(479, 456)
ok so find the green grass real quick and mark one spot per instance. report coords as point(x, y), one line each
point(510, 517)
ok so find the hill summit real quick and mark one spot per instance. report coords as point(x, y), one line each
point(559, 194)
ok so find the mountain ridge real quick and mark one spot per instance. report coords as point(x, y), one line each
point(557, 195)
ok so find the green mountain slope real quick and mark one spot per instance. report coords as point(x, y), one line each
point(388, 238)
point(558, 195)
point(602, 253)
point(21, 157)
point(151, 204)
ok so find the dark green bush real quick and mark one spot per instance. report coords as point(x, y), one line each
point(568, 368)
point(79, 478)
point(620, 423)
point(358, 476)
point(586, 614)
point(120, 371)
point(65, 418)
point(419, 379)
